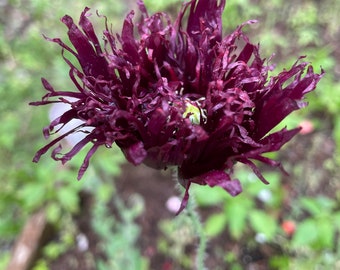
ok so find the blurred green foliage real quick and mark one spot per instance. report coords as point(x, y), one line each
point(241, 215)
point(287, 28)
point(119, 236)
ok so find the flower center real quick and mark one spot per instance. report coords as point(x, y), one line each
point(194, 112)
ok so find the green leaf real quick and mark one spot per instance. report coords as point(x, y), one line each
point(279, 262)
point(53, 212)
point(336, 134)
point(327, 204)
point(215, 224)
point(306, 233)
point(237, 211)
point(264, 223)
point(68, 198)
point(311, 205)
point(326, 232)
point(105, 192)
point(207, 196)
point(33, 195)
point(336, 218)
point(317, 206)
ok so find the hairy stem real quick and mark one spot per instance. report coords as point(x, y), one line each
point(202, 245)
point(191, 211)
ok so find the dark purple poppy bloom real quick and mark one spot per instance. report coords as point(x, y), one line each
point(176, 94)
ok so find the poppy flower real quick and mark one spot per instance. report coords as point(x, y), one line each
point(176, 94)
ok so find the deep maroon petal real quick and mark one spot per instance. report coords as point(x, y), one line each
point(185, 199)
point(221, 179)
point(135, 153)
point(278, 102)
point(205, 14)
point(86, 161)
point(89, 54)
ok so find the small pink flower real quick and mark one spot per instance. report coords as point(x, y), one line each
point(307, 127)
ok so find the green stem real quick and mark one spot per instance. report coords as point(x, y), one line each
point(191, 210)
point(196, 220)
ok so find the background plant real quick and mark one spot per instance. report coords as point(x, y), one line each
point(252, 221)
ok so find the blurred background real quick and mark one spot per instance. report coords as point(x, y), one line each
point(119, 216)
